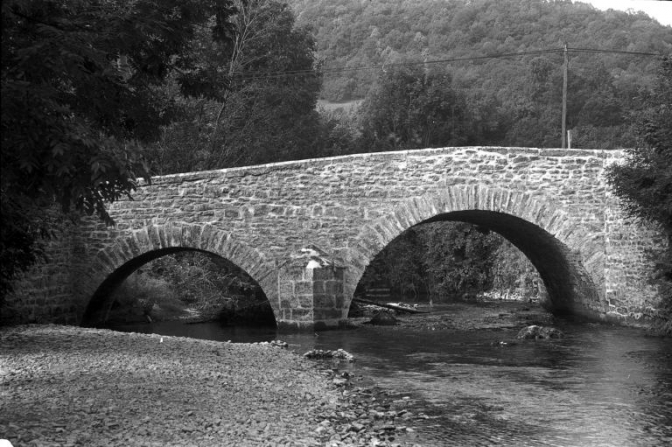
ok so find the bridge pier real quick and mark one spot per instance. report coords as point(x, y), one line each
point(311, 292)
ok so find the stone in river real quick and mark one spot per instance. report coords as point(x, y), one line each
point(535, 332)
point(384, 319)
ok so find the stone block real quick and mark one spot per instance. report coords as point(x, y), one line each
point(327, 314)
point(142, 240)
point(304, 301)
point(324, 301)
point(294, 272)
point(154, 236)
point(322, 274)
point(207, 233)
point(339, 274)
point(302, 315)
point(173, 236)
point(319, 287)
point(303, 287)
point(286, 304)
point(334, 287)
point(285, 288)
point(339, 301)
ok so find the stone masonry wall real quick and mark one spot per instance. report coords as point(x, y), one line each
point(631, 251)
point(351, 207)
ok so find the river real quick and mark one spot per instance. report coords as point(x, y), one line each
point(600, 385)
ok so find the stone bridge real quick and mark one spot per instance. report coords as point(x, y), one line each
point(306, 230)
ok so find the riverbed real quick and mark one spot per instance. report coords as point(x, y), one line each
point(69, 386)
point(474, 383)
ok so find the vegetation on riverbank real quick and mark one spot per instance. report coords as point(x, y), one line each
point(644, 183)
point(81, 98)
point(503, 59)
point(463, 316)
point(448, 261)
point(190, 286)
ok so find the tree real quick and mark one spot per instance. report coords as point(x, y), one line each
point(355, 36)
point(399, 266)
point(458, 258)
point(79, 98)
point(644, 183)
point(411, 107)
point(445, 260)
point(250, 101)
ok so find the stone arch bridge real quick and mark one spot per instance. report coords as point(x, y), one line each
point(306, 230)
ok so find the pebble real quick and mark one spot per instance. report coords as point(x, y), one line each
point(63, 385)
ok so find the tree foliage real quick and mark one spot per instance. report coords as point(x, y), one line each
point(239, 107)
point(514, 101)
point(201, 277)
point(644, 182)
point(412, 107)
point(442, 260)
point(79, 97)
point(459, 258)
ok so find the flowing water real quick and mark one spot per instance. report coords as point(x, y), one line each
point(598, 386)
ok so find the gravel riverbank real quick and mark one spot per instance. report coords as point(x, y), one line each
point(62, 385)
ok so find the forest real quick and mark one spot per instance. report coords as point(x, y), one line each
point(504, 61)
point(132, 90)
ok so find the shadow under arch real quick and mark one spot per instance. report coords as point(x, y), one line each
point(116, 262)
point(568, 258)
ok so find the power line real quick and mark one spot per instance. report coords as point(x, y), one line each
point(264, 75)
point(328, 71)
point(595, 50)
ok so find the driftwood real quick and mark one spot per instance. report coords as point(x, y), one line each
point(389, 306)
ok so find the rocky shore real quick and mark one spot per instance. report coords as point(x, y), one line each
point(69, 386)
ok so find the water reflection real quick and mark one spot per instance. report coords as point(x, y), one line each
point(599, 386)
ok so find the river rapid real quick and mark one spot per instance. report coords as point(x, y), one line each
point(600, 385)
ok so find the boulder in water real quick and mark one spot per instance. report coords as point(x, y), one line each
point(384, 319)
point(535, 332)
point(337, 354)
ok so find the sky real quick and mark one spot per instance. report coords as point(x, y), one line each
point(659, 10)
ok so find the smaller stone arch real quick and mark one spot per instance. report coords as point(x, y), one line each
point(115, 263)
point(559, 248)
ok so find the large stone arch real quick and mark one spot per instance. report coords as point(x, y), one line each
point(115, 263)
point(569, 259)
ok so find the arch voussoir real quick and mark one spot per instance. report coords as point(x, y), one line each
point(556, 222)
point(403, 216)
point(207, 233)
point(153, 236)
point(173, 233)
point(529, 220)
point(141, 239)
point(114, 263)
point(191, 235)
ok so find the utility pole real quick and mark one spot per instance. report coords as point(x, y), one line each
point(564, 99)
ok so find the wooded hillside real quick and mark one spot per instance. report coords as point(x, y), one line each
point(369, 33)
point(357, 38)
